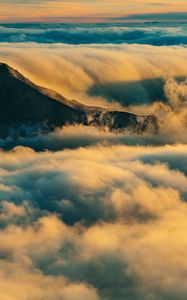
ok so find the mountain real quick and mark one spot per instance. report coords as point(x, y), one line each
point(24, 103)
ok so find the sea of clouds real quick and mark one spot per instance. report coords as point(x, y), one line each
point(158, 33)
point(99, 222)
point(87, 213)
point(142, 79)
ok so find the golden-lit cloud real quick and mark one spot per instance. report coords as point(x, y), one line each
point(93, 218)
point(60, 67)
point(97, 75)
point(99, 215)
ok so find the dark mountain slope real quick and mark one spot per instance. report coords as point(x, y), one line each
point(22, 102)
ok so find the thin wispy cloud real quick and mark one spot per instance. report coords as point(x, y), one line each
point(86, 10)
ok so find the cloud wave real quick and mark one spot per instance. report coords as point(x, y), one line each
point(106, 219)
point(138, 78)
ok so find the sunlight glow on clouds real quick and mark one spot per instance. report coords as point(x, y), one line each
point(87, 10)
point(92, 219)
point(97, 75)
point(85, 213)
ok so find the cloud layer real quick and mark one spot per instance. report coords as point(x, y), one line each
point(77, 223)
point(106, 219)
point(138, 78)
point(143, 33)
point(129, 74)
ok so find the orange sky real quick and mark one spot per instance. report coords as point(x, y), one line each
point(51, 10)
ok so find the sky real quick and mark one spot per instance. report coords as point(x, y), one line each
point(83, 10)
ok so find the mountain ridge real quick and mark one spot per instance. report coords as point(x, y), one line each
point(23, 102)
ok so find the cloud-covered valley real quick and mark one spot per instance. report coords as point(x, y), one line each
point(122, 74)
point(90, 214)
point(84, 221)
point(138, 78)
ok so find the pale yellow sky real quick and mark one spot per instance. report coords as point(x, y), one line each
point(51, 10)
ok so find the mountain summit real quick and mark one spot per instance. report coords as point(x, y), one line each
point(25, 103)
